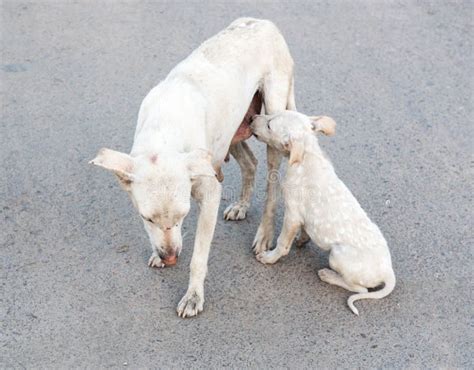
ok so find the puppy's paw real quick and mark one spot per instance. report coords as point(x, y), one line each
point(190, 305)
point(236, 211)
point(263, 239)
point(155, 261)
point(267, 257)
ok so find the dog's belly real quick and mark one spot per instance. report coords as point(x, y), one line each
point(244, 131)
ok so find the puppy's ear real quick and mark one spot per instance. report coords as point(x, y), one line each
point(119, 163)
point(323, 124)
point(200, 164)
point(296, 149)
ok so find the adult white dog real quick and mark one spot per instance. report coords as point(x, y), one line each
point(186, 127)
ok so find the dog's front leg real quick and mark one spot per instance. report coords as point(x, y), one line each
point(207, 192)
point(264, 237)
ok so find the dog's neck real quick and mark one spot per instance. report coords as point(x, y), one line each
point(170, 120)
point(158, 139)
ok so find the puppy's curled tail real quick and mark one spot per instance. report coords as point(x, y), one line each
point(385, 291)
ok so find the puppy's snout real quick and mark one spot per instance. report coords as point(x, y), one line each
point(255, 117)
point(254, 123)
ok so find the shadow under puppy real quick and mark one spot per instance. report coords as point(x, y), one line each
point(319, 203)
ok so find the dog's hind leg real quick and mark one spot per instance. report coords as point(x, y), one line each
point(248, 165)
point(275, 92)
point(264, 237)
point(291, 104)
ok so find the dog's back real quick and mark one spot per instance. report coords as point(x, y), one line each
point(244, 40)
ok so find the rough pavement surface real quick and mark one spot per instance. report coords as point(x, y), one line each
point(75, 287)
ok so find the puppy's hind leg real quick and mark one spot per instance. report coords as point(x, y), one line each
point(332, 277)
point(248, 165)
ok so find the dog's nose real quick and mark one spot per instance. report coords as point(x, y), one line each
point(170, 260)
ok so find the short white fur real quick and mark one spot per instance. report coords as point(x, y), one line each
point(184, 130)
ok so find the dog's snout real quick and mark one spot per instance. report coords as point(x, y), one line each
point(169, 259)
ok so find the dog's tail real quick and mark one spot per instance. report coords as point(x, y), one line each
point(385, 291)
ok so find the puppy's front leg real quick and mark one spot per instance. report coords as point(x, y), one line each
point(288, 233)
point(208, 193)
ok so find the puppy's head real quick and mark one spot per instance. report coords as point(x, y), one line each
point(160, 189)
point(286, 131)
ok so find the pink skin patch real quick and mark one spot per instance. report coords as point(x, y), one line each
point(153, 158)
point(244, 131)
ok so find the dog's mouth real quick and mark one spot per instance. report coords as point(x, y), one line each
point(254, 133)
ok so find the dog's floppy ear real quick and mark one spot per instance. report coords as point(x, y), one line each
point(296, 149)
point(323, 124)
point(200, 164)
point(119, 163)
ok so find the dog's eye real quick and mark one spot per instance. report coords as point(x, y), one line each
point(268, 125)
point(148, 220)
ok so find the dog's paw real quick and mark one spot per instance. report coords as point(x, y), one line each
point(190, 305)
point(236, 211)
point(327, 275)
point(263, 240)
point(267, 257)
point(155, 261)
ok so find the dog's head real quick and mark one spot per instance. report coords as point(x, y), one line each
point(160, 188)
point(286, 131)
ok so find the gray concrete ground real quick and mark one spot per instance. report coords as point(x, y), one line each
point(75, 288)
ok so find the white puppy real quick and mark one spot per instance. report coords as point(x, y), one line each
point(319, 202)
point(186, 127)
